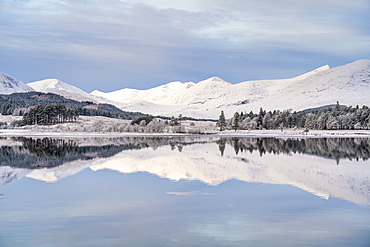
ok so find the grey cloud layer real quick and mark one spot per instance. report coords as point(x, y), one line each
point(155, 35)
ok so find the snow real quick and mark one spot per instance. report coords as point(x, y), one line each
point(9, 85)
point(66, 90)
point(349, 84)
point(304, 76)
point(50, 85)
point(162, 95)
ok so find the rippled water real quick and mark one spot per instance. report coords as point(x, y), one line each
point(184, 192)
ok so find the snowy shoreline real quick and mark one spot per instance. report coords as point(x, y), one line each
point(88, 126)
point(288, 133)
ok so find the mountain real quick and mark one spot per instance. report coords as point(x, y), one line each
point(164, 95)
point(66, 90)
point(348, 84)
point(18, 103)
point(53, 85)
point(9, 85)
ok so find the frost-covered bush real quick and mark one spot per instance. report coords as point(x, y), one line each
point(156, 126)
point(178, 129)
point(196, 131)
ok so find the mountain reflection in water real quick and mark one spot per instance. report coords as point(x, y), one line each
point(323, 166)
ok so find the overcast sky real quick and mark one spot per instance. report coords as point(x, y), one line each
point(114, 44)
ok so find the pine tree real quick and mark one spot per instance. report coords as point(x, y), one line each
point(260, 118)
point(221, 121)
point(180, 118)
point(236, 121)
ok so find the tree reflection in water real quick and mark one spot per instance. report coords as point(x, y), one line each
point(35, 153)
point(332, 148)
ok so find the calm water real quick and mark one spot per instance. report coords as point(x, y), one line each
point(184, 192)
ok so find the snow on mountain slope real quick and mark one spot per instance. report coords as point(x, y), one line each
point(304, 76)
point(163, 95)
point(203, 99)
point(51, 85)
point(348, 84)
point(9, 85)
point(66, 90)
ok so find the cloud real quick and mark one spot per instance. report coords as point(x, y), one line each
point(114, 23)
point(167, 36)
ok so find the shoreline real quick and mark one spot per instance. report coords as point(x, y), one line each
point(288, 133)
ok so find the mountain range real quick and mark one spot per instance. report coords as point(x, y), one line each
point(349, 84)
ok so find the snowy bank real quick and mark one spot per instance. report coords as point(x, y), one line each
point(247, 133)
point(110, 127)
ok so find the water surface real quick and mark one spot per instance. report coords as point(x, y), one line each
point(174, 191)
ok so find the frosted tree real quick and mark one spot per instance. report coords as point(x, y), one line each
point(180, 118)
point(221, 121)
point(235, 125)
point(267, 121)
point(156, 126)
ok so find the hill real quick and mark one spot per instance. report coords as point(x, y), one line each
point(19, 103)
point(66, 90)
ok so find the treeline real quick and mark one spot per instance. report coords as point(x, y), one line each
point(49, 114)
point(19, 103)
point(332, 148)
point(331, 118)
point(37, 153)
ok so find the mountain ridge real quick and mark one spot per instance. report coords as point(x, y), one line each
point(66, 90)
point(349, 84)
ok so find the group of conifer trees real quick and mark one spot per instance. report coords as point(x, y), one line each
point(49, 114)
point(334, 118)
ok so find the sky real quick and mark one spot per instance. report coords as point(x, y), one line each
point(113, 44)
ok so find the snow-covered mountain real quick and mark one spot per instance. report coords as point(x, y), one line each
point(66, 90)
point(9, 85)
point(52, 85)
point(164, 95)
point(348, 84)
